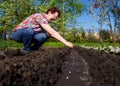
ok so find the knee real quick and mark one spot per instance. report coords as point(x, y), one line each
point(44, 37)
point(41, 37)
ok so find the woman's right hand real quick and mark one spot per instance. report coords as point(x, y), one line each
point(69, 44)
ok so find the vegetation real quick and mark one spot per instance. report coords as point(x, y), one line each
point(12, 12)
point(5, 44)
point(108, 14)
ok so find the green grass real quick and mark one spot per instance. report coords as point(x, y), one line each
point(9, 44)
point(14, 45)
point(53, 44)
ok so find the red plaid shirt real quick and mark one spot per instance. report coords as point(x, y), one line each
point(34, 21)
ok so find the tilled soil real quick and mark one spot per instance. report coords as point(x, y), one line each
point(59, 67)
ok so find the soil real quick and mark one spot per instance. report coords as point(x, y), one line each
point(59, 67)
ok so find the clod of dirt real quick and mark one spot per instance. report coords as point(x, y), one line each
point(11, 53)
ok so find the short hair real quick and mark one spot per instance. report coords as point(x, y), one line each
point(53, 10)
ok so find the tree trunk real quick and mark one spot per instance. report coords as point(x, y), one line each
point(110, 26)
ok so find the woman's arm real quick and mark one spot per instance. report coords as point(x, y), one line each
point(56, 35)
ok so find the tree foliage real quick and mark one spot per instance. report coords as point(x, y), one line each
point(12, 12)
point(105, 35)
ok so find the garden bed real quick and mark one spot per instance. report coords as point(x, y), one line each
point(59, 67)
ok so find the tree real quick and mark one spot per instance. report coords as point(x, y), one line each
point(70, 10)
point(105, 35)
point(99, 9)
point(12, 12)
point(104, 17)
point(115, 8)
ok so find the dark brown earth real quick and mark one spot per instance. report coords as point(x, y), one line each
point(59, 67)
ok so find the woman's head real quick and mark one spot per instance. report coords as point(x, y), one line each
point(52, 14)
point(53, 10)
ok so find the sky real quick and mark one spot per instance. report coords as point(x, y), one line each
point(86, 20)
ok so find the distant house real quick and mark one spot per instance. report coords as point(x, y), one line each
point(93, 34)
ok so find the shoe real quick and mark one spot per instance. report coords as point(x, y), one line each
point(25, 51)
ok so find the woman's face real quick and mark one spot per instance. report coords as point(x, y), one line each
point(52, 16)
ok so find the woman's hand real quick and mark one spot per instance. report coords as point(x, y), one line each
point(69, 44)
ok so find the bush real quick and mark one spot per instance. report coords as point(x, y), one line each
point(104, 35)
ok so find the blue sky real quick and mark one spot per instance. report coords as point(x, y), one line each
point(86, 20)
